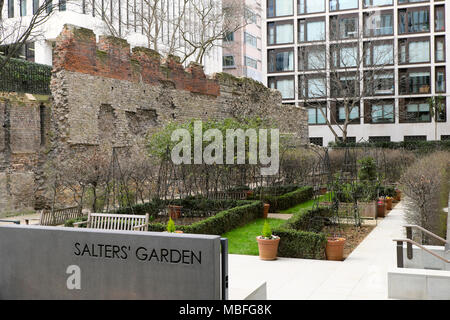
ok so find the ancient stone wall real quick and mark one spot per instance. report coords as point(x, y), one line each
point(106, 95)
point(22, 150)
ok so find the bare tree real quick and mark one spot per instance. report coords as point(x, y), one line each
point(189, 29)
point(339, 77)
point(209, 22)
point(16, 32)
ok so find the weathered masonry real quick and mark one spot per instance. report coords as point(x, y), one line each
point(105, 95)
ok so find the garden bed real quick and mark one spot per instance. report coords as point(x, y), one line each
point(353, 235)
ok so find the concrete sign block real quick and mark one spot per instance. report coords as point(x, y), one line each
point(39, 262)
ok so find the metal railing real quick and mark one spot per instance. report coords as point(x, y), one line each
point(410, 243)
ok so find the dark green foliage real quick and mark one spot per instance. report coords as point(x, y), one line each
point(288, 200)
point(69, 223)
point(301, 244)
point(417, 146)
point(367, 169)
point(24, 76)
point(222, 222)
point(301, 235)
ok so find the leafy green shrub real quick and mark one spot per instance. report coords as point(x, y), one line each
point(300, 244)
point(170, 226)
point(266, 231)
point(301, 235)
point(367, 169)
point(69, 223)
point(289, 200)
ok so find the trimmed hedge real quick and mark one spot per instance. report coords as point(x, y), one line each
point(191, 203)
point(289, 200)
point(223, 221)
point(301, 235)
point(419, 146)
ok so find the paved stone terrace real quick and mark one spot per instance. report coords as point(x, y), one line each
point(363, 275)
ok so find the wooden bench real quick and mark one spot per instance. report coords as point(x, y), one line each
point(57, 216)
point(108, 221)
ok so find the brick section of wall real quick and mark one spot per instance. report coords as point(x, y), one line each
point(76, 50)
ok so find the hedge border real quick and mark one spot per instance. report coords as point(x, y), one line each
point(295, 242)
point(222, 222)
point(289, 200)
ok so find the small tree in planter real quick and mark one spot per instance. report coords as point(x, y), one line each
point(267, 243)
point(171, 227)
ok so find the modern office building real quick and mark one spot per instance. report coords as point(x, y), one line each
point(242, 50)
point(308, 44)
point(137, 21)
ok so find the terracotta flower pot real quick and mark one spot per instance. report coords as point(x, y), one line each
point(323, 190)
point(266, 210)
point(178, 231)
point(174, 211)
point(335, 249)
point(388, 203)
point(398, 195)
point(381, 208)
point(268, 248)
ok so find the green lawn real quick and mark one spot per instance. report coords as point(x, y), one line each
point(243, 240)
point(305, 205)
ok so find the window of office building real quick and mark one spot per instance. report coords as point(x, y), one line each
point(414, 138)
point(316, 140)
point(375, 139)
point(441, 111)
point(279, 8)
point(377, 3)
point(414, 50)
point(229, 37)
point(344, 27)
point(281, 60)
point(439, 18)
point(353, 113)
point(344, 56)
point(285, 85)
point(311, 58)
point(415, 111)
point(250, 62)
point(35, 6)
point(440, 79)
point(10, 8)
point(413, 20)
point(23, 8)
point(311, 30)
point(250, 39)
point(412, 1)
point(415, 81)
point(280, 32)
point(379, 23)
point(440, 49)
point(343, 4)
point(380, 53)
point(445, 137)
point(311, 6)
point(344, 84)
point(312, 86)
point(228, 62)
point(317, 115)
point(379, 83)
point(62, 5)
point(381, 111)
point(250, 16)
